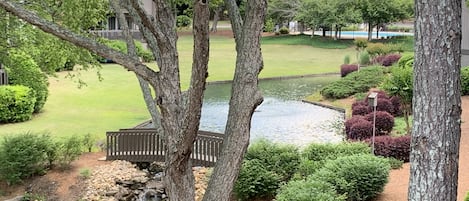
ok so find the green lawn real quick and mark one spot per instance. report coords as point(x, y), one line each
point(116, 101)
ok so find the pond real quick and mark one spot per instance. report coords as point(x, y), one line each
point(282, 117)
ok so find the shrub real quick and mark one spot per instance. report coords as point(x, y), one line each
point(360, 131)
point(347, 59)
point(280, 159)
point(360, 43)
point(269, 25)
point(396, 147)
point(22, 156)
point(364, 58)
point(146, 55)
point(255, 181)
point(381, 94)
point(16, 103)
point(69, 150)
point(22, 70)
point(345, 69)
point(467, 197)
point(395, 163)
point(404, 60)
point(323, 152)
point(396, 106)
point(378, 60)
point(183, 21)
point(375, 49)
point(359, 103)
point(309, 189)
point(384, 122)
point(284, 30)
point(465, 81)
point(384, 105)
point(390, 59)
point(359, 177)
point(350, 122)
point(354, 82)
point(360, 110)
point(88, 142)
point(315, 155)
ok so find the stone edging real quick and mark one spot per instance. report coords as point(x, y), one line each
point(342, 110)
point(278, 78)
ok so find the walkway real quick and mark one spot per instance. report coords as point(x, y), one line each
point(396, 189)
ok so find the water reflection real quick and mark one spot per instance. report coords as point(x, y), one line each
point(282, 117)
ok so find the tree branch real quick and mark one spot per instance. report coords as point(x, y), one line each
point(236, 21)
point(67, 35)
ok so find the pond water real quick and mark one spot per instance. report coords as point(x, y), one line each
point(282, 117)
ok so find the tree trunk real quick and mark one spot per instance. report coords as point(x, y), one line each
point(370, 31)
point(437, 102)
point(216, 17)
point(245, 97)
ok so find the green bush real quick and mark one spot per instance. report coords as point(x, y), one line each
point(255, 181)
point(284, 30)
point(359, 177)
point(16, 103)
point(347, 59)
point(395, 163)
point(467, 197)
point(404, 61)
point(308, 190)
point(364, 58)
point(352, 27)
point(355, 82)
point(22, 156)
point(146, 55)
point(88, 142)
point(315, 155)
point(360, 44)
point(269, 26)
point(280, 159)
point(465, 81)
point(22, 70)
point(183, 21)
point(69, 150)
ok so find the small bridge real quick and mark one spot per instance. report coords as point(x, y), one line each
point(146, 145)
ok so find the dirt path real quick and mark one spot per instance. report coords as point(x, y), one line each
point(396, 189)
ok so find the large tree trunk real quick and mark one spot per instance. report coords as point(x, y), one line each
point(437, 103)
point(245, 97)
point(370, 31)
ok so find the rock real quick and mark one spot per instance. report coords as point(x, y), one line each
point(17, 198)
point(111, 193)
point(156, 167)
point(157, 185)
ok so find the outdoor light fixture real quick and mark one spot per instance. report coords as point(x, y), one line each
point(373, 102)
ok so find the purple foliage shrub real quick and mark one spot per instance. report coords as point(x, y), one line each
point(350, 122)
point(381, 95)
point(378, 59)
point(396, 103)
point(390, 59)
point(385, 105)
point(396, 147)
point(359, 103)
point(360, 130)
point(384, 122)
point(345, 69)
point(360, 110)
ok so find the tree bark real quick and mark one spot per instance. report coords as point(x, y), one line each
point(436, 102)
point(216, 17)
point(370, 31)
point(245, 97)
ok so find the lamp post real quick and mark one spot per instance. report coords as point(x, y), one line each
point(373, 101)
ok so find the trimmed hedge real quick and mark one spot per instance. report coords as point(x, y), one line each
point(355, 82)
point(396, 104)
point(361, 110)
point(309, 189)
point(278, 158)
point(16, 103)
point(390, 59)
point(385, 105)
point(346, 69)
point(360, 131)
point(255, 181)
point(350, 122)
point(384, 122)
point(22, 70)
point(359, 177)
point(395, 147)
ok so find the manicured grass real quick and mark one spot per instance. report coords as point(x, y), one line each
point(316, 41)
point(117, 102)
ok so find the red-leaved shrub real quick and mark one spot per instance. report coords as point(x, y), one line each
point(384, 122)
point(378, 59)
point(345, 69)
point(385, 105)
point(360, 110)
point(396, 147)
point(360, 130)
point(350, 122)
point(396, 103)
point(359, 103)
point(390, 59)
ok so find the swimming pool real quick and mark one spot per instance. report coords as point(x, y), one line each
point(363, 34)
